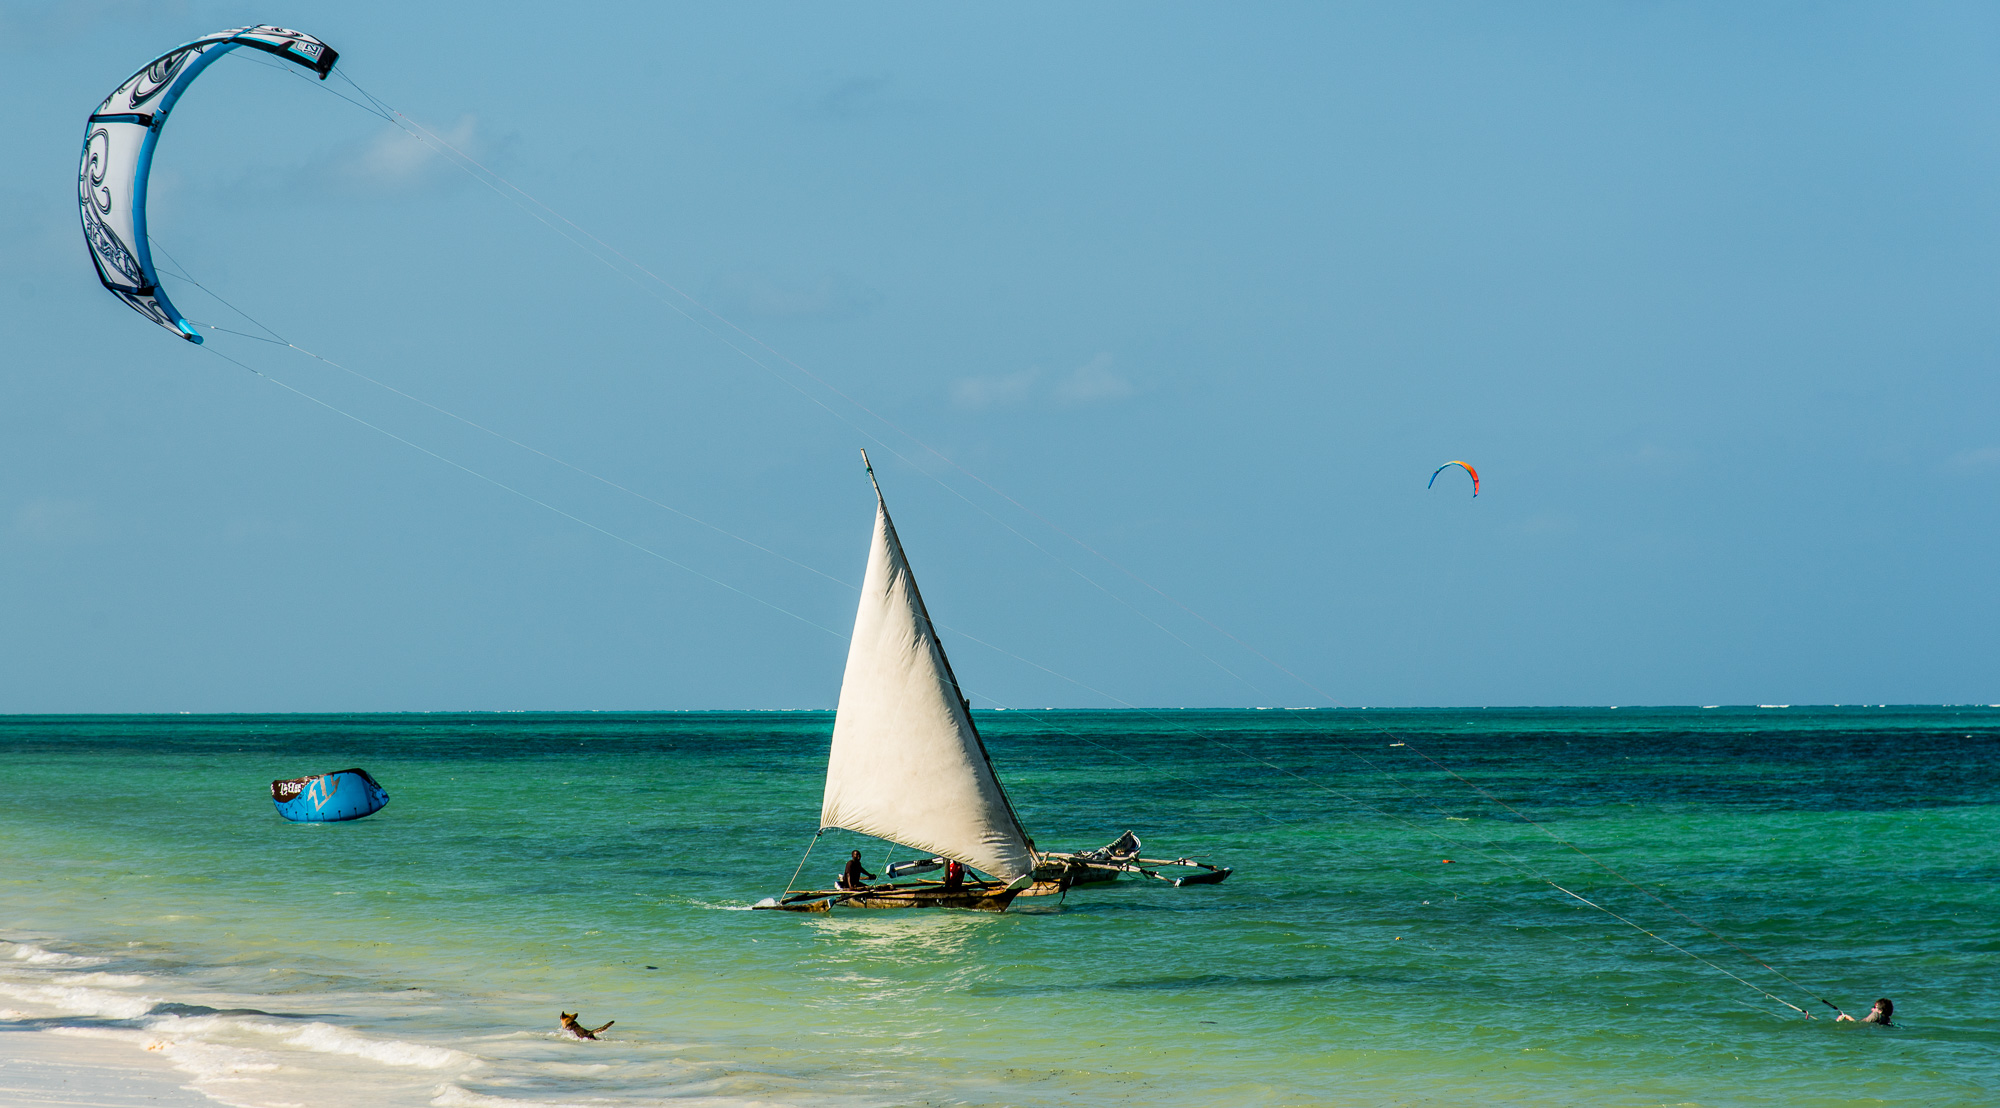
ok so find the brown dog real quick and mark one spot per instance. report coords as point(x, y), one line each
point(570, 1025)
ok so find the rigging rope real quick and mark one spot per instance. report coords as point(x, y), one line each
point(502, 485)
point(494, 181)
point(794, 880)
point(276, 339)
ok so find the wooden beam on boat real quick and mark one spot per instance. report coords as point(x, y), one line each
point(985, 896)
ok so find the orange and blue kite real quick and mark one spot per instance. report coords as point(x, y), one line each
point(1471, 472)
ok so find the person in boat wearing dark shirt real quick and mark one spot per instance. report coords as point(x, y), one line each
point(954, 876)
point(1876, 1015)
point(851, 879)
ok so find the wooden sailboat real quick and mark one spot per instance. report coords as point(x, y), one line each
point(907, 764)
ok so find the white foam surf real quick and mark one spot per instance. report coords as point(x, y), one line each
point(227, 1029)
point(41, 956)
point(452, 1096)
point(57, 999)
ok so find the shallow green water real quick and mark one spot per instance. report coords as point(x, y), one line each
point(533, 862)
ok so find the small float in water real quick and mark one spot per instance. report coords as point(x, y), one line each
point(328, 797)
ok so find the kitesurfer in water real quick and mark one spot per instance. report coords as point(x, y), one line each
point(1876, 1015)
point(851, 879)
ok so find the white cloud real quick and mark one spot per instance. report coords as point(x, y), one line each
point(1976, 461)
point(1093, 382)
point(395, 161)
point(1011, 390)
point(55, 520)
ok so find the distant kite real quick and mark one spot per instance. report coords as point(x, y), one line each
point(1471, 472)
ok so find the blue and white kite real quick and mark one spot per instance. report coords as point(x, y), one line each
point(118, 157)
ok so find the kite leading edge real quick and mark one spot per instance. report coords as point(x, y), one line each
point(118, 158)
point(1471, 472)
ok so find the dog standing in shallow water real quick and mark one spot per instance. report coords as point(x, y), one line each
point(570, 1025)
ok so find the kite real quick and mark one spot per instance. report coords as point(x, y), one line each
point(329, 797)
point(1473, 473)
point(118, 159)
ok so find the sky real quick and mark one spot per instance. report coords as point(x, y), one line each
point(1155, 320)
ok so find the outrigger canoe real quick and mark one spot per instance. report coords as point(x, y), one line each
point(907, 765)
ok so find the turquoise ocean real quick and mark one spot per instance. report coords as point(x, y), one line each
point(151, 898)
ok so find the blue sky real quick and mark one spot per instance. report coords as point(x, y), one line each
point(1705, 293)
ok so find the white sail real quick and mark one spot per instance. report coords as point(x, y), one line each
point(907, 765)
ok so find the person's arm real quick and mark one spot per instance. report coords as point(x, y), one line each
point(1843, 1016)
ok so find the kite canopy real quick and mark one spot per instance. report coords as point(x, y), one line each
point(329, 797)
point(118, 158)
point(1471, 472)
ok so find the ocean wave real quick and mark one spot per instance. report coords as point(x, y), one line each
point(315, 1037)
point(109, 980)
point(329, 1039)
point(454, 1096)
point(233, 1053)
point(75, 1000)
point(42, 956)
point(196, 1057)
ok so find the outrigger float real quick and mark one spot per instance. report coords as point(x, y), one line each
point(1110, 861)
point(1059, 871)
point(907, 765)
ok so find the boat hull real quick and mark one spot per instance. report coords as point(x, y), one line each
point(329, 797)
point(981, 896)
point(984, 902)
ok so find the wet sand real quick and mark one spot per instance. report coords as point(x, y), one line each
point(40, 1070)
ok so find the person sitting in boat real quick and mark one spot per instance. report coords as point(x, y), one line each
point(1877, 1015)
point(851, 879)
point(954, 875)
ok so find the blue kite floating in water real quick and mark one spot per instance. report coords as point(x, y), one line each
point(118, 159)
point(328, 797)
